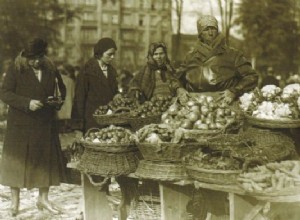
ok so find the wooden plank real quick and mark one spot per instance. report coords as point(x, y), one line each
point(244, 208)
point(96, 205)
point(174, 199)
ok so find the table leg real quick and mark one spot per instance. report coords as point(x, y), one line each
point(174, 199)
point(96, 205)
point(129, 191)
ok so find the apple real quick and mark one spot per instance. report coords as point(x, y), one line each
point(195, 108)
point(186, 124)
point(204, 110)
point(192, 116)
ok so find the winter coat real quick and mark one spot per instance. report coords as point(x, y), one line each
point(227, 69)
point(66, 109)
point(145, 81)
point(31, 153)
point(92, 90)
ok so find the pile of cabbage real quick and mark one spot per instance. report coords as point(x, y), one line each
point(272, 102)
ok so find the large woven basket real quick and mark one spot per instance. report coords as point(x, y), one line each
point(272, 123)
point(213, 176)
point(97, 162)
point(138, 122)
point(110, 148)
point(275, 146)
point(166, 151)
point(162, 171)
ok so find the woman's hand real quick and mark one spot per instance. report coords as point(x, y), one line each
point(35, 105)
point(182, 95)
point(227, 96)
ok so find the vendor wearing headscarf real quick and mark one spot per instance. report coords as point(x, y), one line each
point(213, 66)
point(157, 77)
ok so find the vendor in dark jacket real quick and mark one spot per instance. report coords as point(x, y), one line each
point(213, 66)
point(32, 156)
point(97, 82)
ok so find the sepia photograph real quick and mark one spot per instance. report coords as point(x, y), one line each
point(149, 110)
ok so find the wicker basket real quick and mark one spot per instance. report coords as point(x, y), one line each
point(272, 123)
point(113, 119)
point(94, 161)
point(226, 142)
point(162, 171)
point(138, 122)
point(107, 147)
point(200, 136)
point(110, 148)
point(213, 176)
point(166, 151)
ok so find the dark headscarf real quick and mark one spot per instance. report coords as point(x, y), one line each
point(35, 48)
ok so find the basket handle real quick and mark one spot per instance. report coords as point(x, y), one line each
point(100, 184)
point(121, 109)
point(90, 130)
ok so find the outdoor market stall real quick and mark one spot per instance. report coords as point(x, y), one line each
point(201, 144)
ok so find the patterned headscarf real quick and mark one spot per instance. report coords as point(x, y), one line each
point(206, 21)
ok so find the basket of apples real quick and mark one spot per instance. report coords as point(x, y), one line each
point(201, 117)
point(116, 112)
point(149, 112)
point(109, 151)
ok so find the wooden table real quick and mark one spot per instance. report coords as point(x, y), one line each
point(175, 195)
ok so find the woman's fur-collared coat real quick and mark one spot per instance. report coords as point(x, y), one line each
point(92, 90)
point(31, 152)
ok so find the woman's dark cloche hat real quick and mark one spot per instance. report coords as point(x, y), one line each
point(35, 48)
point(103, 45)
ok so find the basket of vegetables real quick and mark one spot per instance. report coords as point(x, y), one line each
point(109, 152)
point(160, 142)
point(273, 181)
point(201, 116)
point(212, 169)
point(116, 112)
point(149, 112)
point(273, 107)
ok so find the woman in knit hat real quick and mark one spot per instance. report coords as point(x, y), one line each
point(96, 83)
point(214, 67)
point(157, 77)
point(32, 156)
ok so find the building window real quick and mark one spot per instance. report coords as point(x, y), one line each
point(105, 19)
point(88, 34)
point(115, 19)
point(141, 21)
point(128, 3)
point(89, 16)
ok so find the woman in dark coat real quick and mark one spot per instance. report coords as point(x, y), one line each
point(97, 83)
point(213, 66)
point(31, 152)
